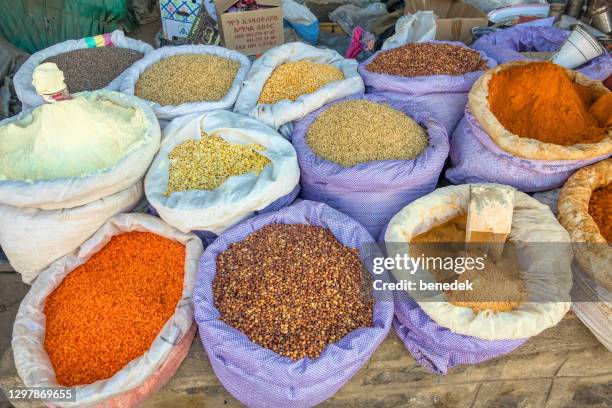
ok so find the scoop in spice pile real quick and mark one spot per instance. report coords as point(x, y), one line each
point(359, 131)
point(541, 102)
point(108, 311)
point(498, 287)
point(206, 163)
point(187, 78)
point(90, 69)
point(425, 59)
point(292, 79)
point(293, 289)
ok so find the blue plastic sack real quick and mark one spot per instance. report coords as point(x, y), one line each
point(372, 193)
point(445, 96)
point(257, 376)
point(507, 45)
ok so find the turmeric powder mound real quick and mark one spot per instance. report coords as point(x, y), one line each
point(498, 286)
point(600, 208)
point(109, 310)
point(541, 102)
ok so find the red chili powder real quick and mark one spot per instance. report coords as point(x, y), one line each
point(109, 310)
point(600, 208)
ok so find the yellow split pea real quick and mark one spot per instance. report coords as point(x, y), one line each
point(292, 79)
point(206, 163)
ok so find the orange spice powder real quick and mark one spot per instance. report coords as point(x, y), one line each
point(600, 208)
point(109, 310)
point(541, 102)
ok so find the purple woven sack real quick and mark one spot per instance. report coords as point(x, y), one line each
point(257, 376)
point(477, 159)
point(437, 348)
point(371, 193)
point(507, 45)
point(445, 96)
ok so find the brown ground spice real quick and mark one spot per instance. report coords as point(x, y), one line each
point(498, 287)
point(293, 289)
point(600, 208)
point(425, 59)
point(109, 310)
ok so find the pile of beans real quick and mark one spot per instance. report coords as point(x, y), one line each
point(109, 310)
point(89, 69)
point(206, 163)
point(187, 78)
point(600, 208)
point(292, 79)
point(359, 131)
point(293, 289)
point(424, 59)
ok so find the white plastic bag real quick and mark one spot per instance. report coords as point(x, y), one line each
point(239, 196)
point(132, 74)
point(279, 113)
point(76, 191)
point(23, 78)
point(31, 359)
point(412, 28)
point(547, 276)
point(32, 238)
point(302, 20)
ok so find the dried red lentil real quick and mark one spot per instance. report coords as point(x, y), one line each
point(109, 310)
point(424, 59)
point(293, 289)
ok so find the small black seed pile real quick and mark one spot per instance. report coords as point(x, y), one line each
point(293, 289)
point(90, 69)
point(424, 59)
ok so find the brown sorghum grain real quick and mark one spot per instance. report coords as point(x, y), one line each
point(89, 69)
point(423, 59)
point(359, 131)
point(293, 289)
point(206, 163)
point(292, 79)
point(187, 78)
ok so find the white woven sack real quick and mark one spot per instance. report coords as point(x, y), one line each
point(32, 238)
point(239, 196)
point(23, 78)
point(132, 74)
point(76, 191)
point(285, 111)
point(31, 359)
point(546, 277)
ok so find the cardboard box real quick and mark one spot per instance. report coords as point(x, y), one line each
point(254, 31)
point(455, 18)
point(177, 17)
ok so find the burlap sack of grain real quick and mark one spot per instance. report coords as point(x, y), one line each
point(169, 112)
point(144, 375)
point(372, 192)
point(482, 150)
point(440, 334)
point(58, 215)
point(239, 197)
point(283, 112)
point(259, 377)
point(444, 96)
point(23, 78)
point(510, 44)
